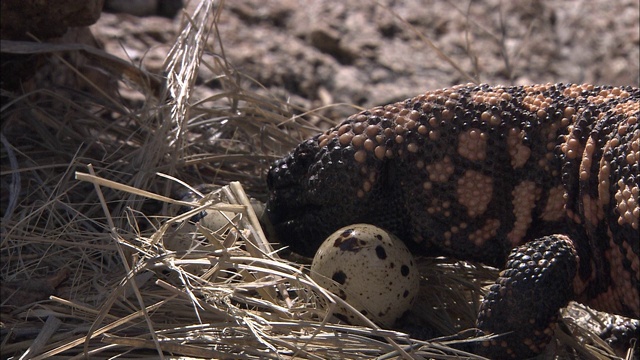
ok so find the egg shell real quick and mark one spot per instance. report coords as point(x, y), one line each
point(369, 268)
point(215, 219)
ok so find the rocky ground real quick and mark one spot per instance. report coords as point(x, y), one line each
point(367, 52)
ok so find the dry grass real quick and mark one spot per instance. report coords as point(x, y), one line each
point(98, 261)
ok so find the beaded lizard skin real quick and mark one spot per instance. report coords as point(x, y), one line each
point(541, 181)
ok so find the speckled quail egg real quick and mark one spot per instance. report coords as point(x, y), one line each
point(211, 219)
point(214, 220)
point(369, 268)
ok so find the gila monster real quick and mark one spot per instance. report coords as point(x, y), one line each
point(540, 181)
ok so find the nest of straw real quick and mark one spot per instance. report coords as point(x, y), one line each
point(100, 256)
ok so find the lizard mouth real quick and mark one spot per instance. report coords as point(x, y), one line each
point(293, 216)
point(288, 224)
point(290, 213)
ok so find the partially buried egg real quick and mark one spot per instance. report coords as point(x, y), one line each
point(369, 268)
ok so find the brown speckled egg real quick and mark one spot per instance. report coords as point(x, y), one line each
point(214, 220)
point(369, 268)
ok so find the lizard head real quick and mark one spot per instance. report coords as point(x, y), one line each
point(310, 195)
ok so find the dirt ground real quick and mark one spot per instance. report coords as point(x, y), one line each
point(367, 52)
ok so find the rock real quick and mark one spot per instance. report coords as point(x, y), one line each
point(45, 19)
